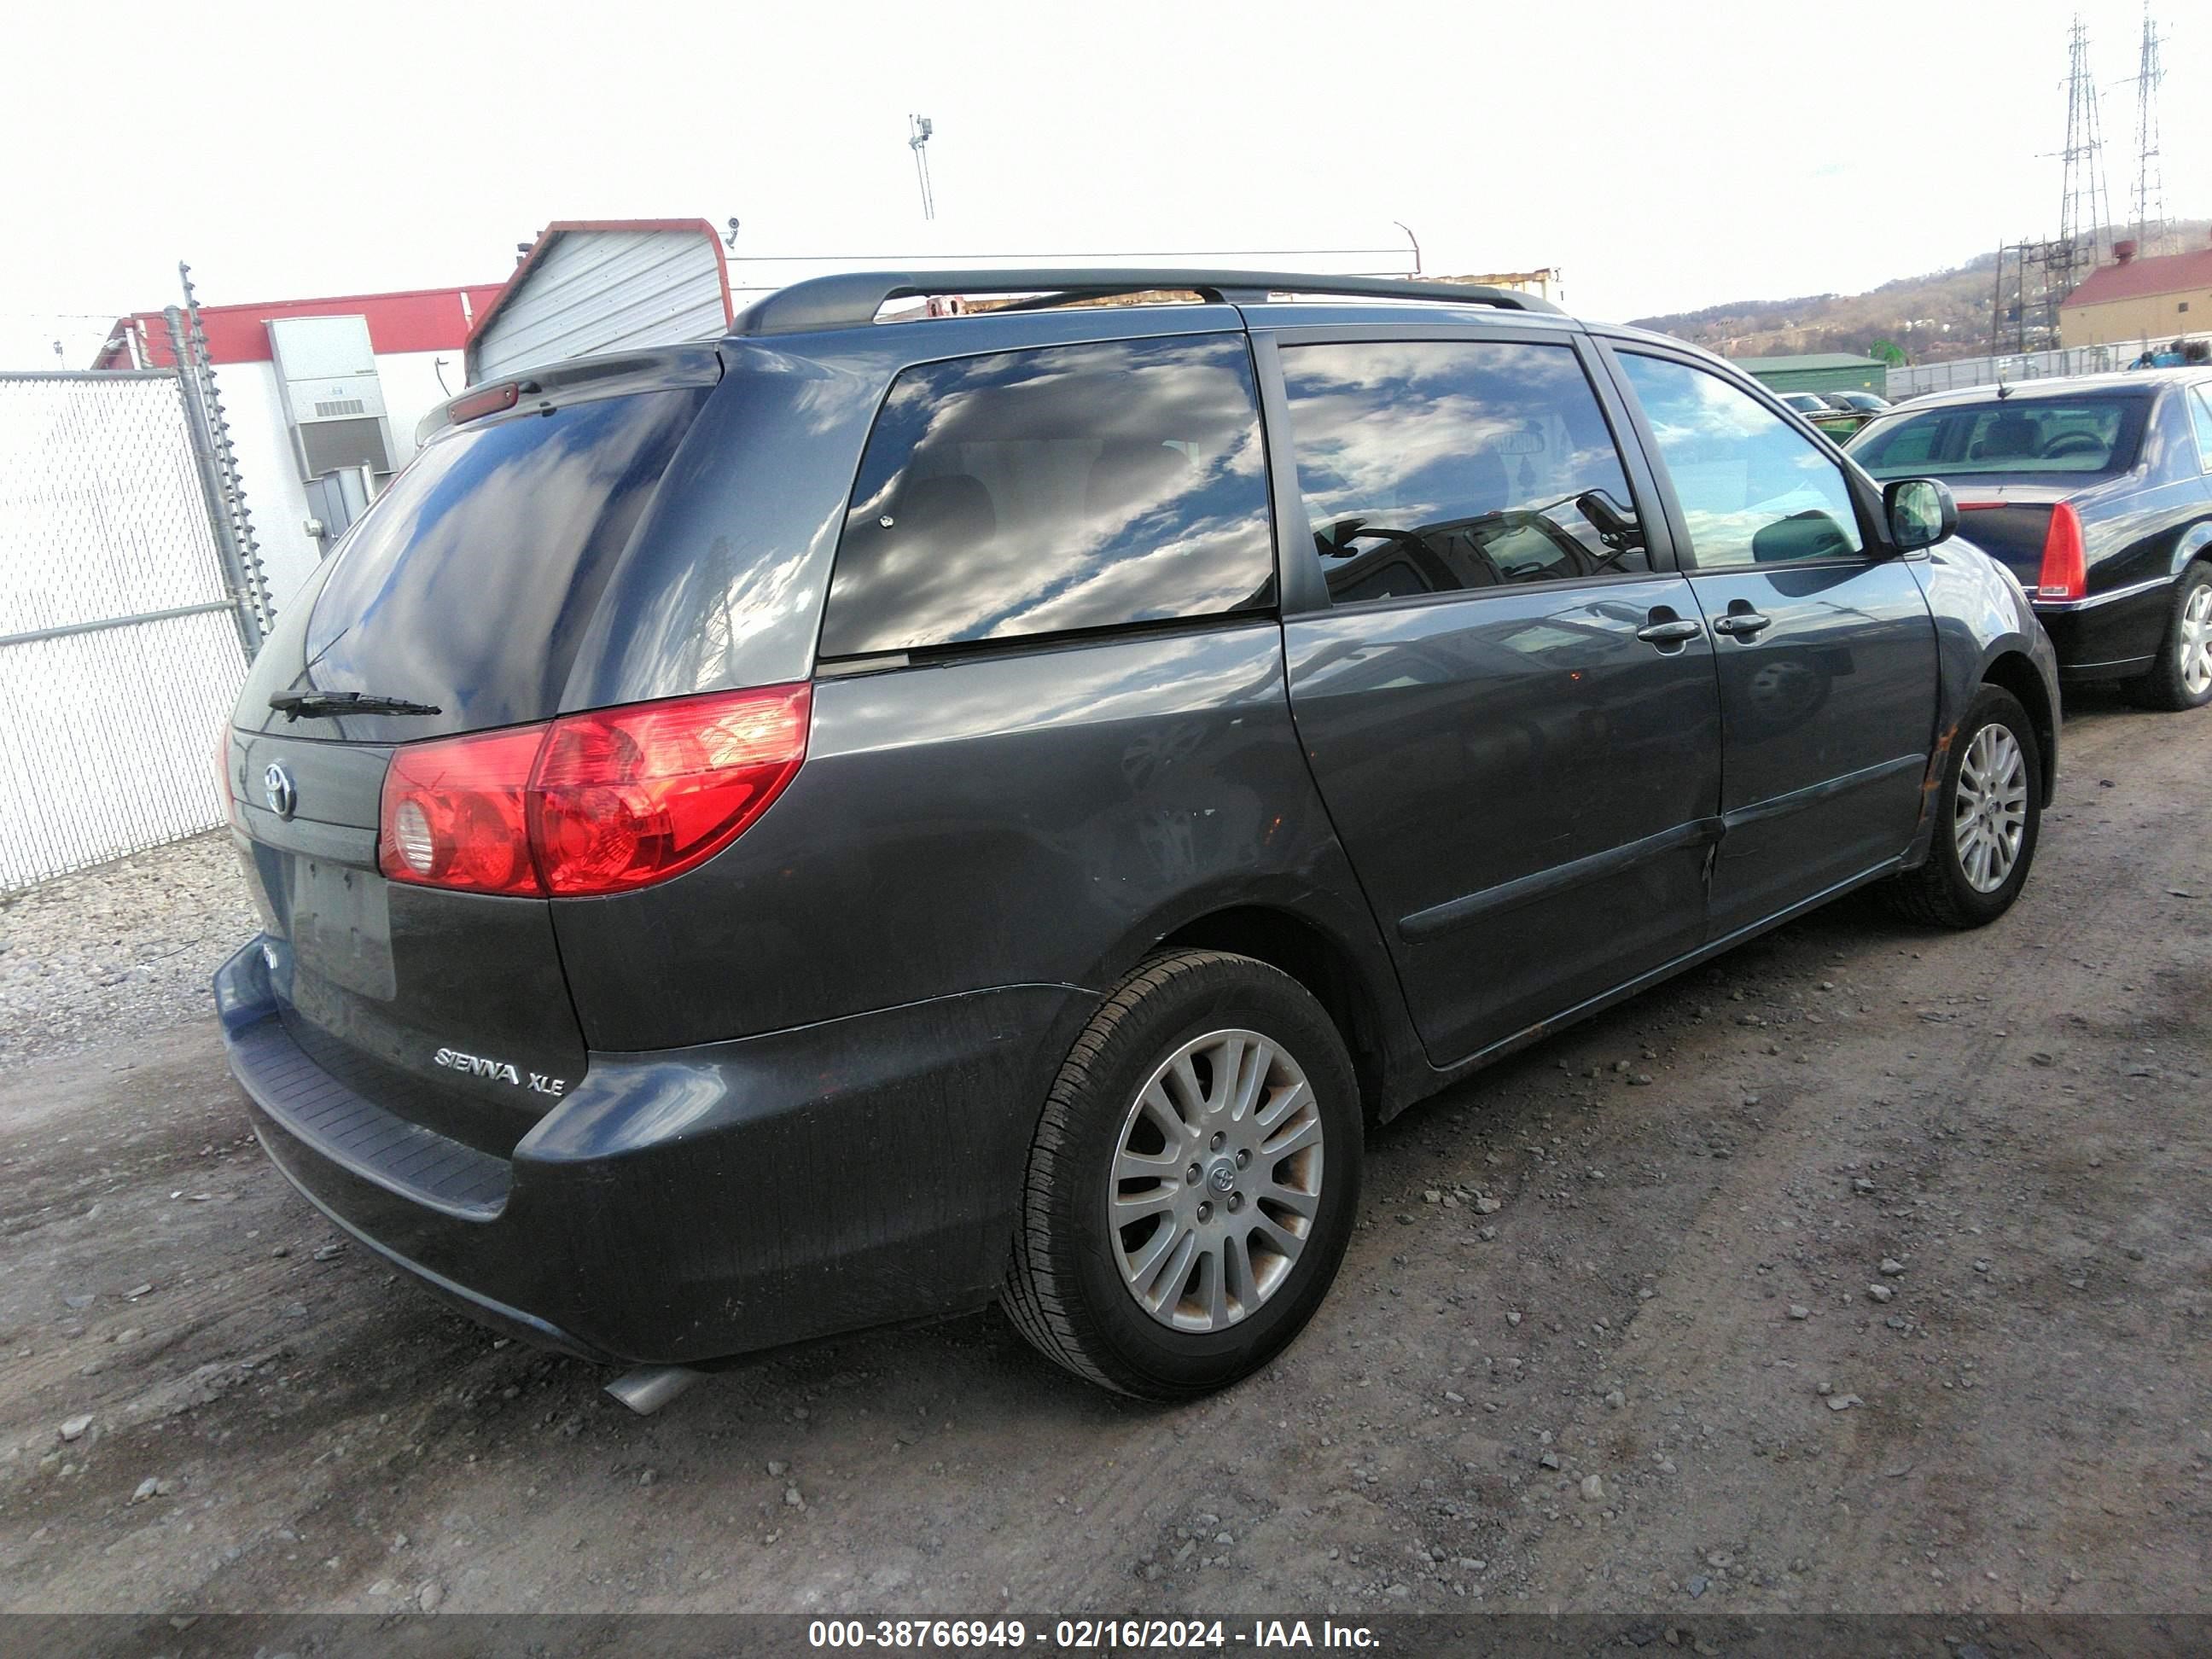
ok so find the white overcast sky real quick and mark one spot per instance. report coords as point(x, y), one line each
point(1665, 156)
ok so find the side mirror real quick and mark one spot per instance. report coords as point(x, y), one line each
point(1921, 511)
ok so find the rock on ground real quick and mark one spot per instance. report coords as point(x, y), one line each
point(125, 947)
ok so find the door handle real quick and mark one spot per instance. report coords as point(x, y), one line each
point(1742, 623)
point(1671, 632)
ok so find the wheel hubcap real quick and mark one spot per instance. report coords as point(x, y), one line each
point(1216, 1181)
point(2193, 649)
point(1991, 814)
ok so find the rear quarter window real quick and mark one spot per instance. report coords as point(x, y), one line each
point(1909, 445)
point(2200, 417)
point(1058, 491)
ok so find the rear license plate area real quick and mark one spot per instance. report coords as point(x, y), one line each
point(341, 927)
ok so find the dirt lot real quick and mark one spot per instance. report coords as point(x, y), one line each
point(207, 1402)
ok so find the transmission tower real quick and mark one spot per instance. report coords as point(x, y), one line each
point(2083, 209)
point(2149, 204)
point(2024, 302)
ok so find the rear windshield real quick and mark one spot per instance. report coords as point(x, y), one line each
point(2042, 435)
point(470, 581)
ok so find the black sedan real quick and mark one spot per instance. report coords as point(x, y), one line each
point(2096, 490)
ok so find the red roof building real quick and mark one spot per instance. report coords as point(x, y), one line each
point(2140, 300)
point(415, 319)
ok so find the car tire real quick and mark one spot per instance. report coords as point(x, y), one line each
point(2182, 676)
point(1991, 809)
point(1168, 1320)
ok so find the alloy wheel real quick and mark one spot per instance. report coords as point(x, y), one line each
point(1216, 1181)
point(1990, 813)
point(2193, 646)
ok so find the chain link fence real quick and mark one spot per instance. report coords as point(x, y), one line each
point(2018, 366)
point(125, 626)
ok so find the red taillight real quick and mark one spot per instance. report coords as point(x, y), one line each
point(628, 796)
point(453, 813)
point(2066, 572)
point(595, 803)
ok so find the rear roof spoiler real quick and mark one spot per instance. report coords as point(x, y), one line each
point(851, 298)
point(602, 375)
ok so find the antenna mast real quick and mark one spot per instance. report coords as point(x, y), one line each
point(918, 130)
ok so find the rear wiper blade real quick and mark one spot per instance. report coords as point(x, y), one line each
point(309, 705)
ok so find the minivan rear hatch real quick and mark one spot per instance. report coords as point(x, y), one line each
point(466, 590)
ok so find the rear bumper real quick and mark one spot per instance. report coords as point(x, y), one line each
point(689, 1205)
point(2109, 639)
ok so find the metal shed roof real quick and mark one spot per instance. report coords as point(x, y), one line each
point(602, 285)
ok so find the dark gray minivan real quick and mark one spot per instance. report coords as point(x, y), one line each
point(840, 825)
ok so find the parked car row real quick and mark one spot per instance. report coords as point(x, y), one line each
point(1839, 414)
point(1815, 404)
point(842, 825)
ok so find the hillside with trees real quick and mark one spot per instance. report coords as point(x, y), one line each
point(1945, 314)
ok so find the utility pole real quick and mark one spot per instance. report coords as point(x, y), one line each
point(918, 130)
point(1997, 304)
point(1414, 239)
point(2149, 203)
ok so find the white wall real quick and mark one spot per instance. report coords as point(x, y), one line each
point(268, 473)
point(411, 391)
point(268, 467)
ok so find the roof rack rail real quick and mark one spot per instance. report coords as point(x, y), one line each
point(851, 298)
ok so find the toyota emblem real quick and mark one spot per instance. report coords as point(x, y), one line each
point(277, 785)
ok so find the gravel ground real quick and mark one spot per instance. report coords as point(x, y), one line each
point(1866, 1269)
point(128, 946)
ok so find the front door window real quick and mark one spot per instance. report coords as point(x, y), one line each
point(1754, 490)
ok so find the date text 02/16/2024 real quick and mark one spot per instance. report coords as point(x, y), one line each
point(1084, 1635)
